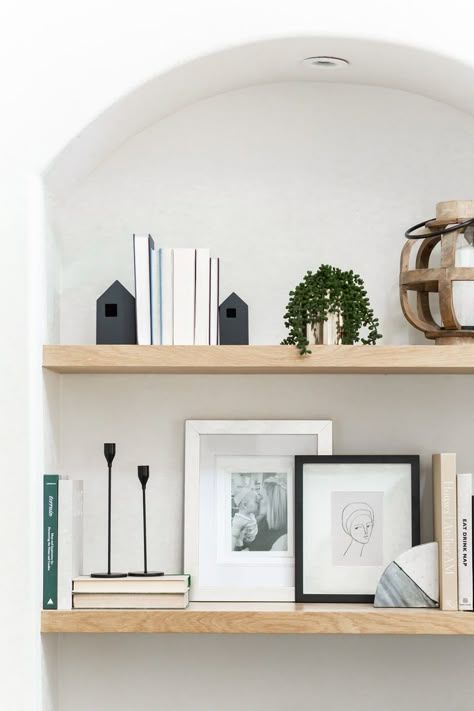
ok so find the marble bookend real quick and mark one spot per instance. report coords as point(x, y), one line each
point(411, 580)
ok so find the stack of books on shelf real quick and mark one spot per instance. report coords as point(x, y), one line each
point(453, 527)
point(176, 293)
point(153, 593)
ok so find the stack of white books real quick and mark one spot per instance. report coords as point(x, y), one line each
point(154, 592)
point(177, 295)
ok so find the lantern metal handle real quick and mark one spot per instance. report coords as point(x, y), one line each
point(437, 233)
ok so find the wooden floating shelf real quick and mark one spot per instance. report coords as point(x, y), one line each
point(261, 360)
point(261, 618)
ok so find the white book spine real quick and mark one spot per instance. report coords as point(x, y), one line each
point(142, 250)
point(214, 302)
point(184, 288)
point(166, 296)
point(201, 329)
point(464, 509)
point(70, 536)
point(155, 297)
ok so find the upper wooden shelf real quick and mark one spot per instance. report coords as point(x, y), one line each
point(258, 359)
point(261, 618)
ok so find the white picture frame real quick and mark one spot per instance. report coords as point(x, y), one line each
point(218, 453)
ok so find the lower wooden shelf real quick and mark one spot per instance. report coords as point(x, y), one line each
point(260, 618)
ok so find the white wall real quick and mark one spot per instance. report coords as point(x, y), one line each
point(282, 177)
point(276, 179)
point(283, 672)
point(61, 64)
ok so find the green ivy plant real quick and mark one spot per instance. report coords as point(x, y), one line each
point(330, 290)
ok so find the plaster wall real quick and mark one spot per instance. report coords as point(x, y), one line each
point(61, 65)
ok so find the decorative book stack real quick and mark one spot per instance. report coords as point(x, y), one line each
point(154, 593)
point(177, 295)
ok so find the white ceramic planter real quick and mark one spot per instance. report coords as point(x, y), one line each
point(327, 333)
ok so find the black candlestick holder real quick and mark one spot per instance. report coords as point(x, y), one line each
point(109, 453)
point(143, 474)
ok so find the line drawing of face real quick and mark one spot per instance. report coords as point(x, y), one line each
point(361, 528)
point(358, 523)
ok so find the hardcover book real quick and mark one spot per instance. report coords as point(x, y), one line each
point(70, 497)
point(184, 291)
point(214, 302)
point(445, 528)
point(159, 584)
point(50, 541)
point(155, 307)
point(143, 247)
point(166, 296)
point(152, 601)
point(464, 512)
point(203, 282)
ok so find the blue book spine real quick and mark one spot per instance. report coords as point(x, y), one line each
point(50, 541)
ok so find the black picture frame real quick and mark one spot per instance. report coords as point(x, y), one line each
point(300, 462)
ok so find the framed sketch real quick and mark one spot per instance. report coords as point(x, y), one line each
point(353, 516)
point(239, 505)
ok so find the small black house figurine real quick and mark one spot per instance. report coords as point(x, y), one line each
point(116, 319)
point(234, 322)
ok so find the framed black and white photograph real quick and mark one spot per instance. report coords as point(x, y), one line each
point(239, 505)
point(353, 516)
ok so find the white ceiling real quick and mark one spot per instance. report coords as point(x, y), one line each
point(372, 63)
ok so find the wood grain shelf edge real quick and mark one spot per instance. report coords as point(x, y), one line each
point(260, 618)
point(258, 359)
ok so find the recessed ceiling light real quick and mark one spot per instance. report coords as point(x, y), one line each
point(325, 62)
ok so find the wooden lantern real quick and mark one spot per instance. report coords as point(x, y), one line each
point(453, 227)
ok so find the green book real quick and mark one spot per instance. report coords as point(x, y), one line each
point(50, 541)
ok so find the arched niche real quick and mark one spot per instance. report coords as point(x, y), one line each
point(419, 108)
point(373, 63)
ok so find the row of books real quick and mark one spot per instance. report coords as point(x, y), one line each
point(151, 593)
point(64, 584)
point(453, 498)
point(176, 295)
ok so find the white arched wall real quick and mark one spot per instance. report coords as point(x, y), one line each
point(62, 65)
point(275, 179)
point(88, 185)
point(372, 63)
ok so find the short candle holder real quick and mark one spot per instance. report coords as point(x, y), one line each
point(143, 475)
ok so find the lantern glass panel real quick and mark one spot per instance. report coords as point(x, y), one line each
point(435, 263)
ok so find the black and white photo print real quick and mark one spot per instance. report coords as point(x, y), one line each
point(259, 511)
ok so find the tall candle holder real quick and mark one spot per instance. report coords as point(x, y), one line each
point(109, 453)
point(143, 475)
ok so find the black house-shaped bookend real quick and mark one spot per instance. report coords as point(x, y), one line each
point(116, 319)
point(234, 322)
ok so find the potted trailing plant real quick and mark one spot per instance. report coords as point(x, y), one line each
point(330, 293)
